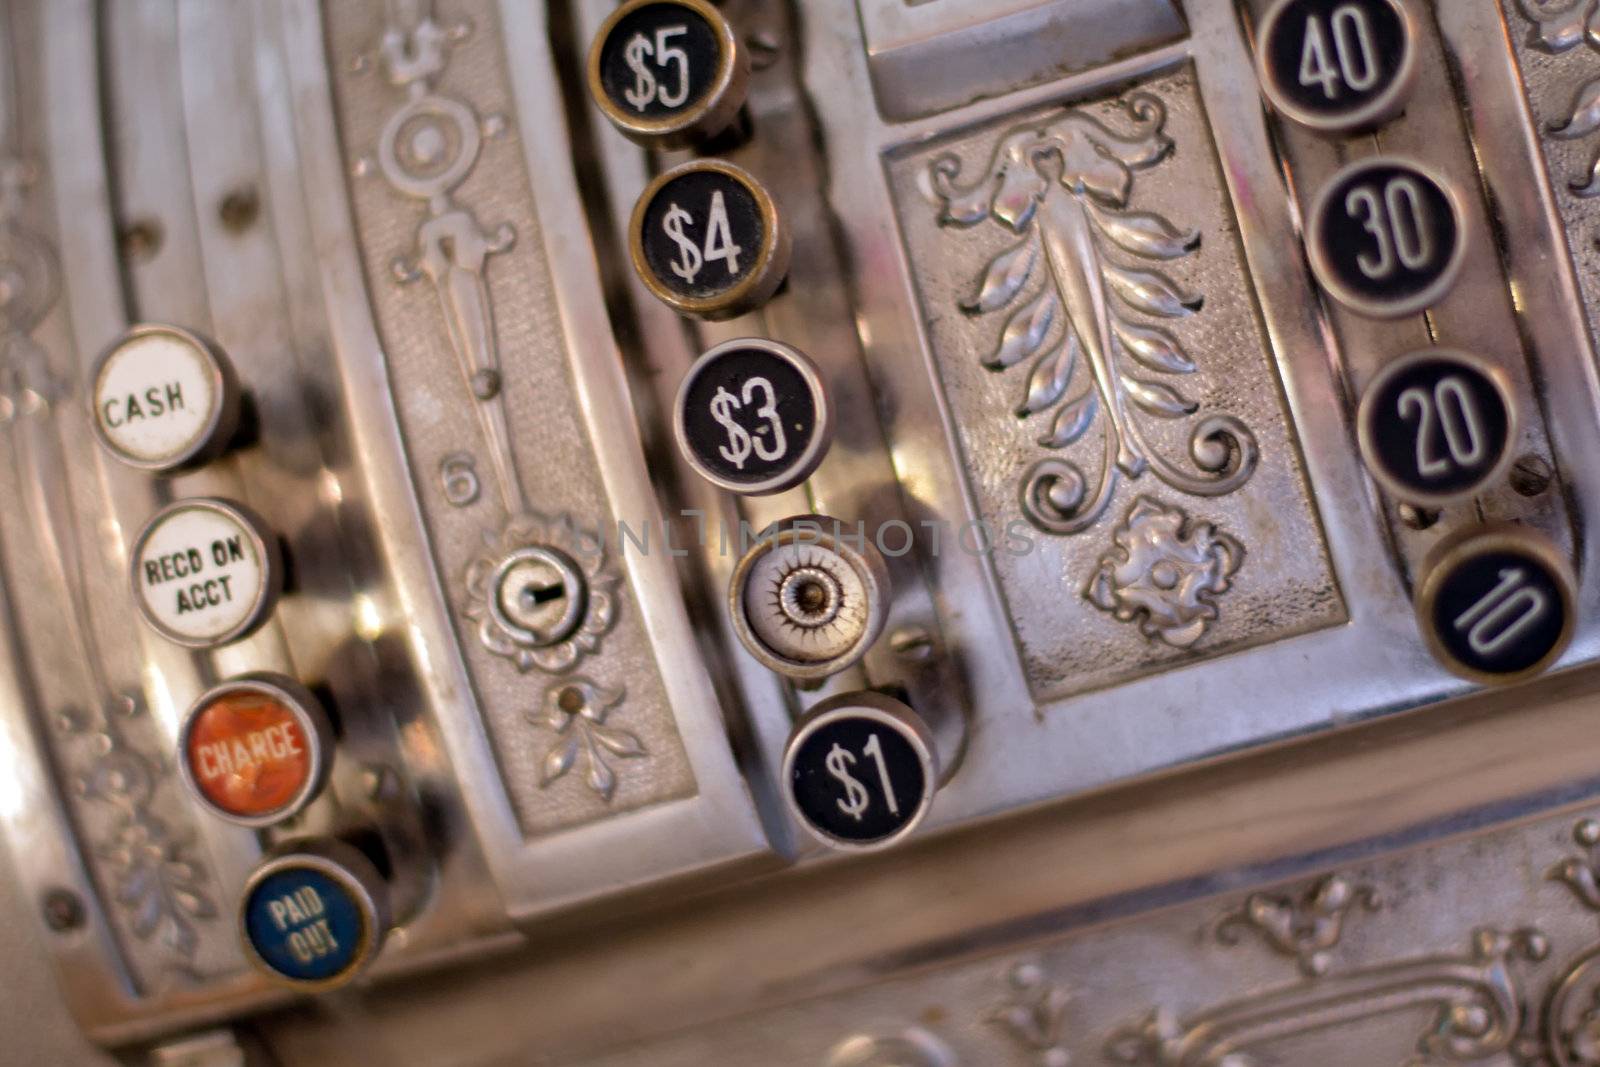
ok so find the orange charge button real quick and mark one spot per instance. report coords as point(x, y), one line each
point(255, 749)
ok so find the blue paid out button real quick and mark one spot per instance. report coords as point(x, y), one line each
point(307, 925)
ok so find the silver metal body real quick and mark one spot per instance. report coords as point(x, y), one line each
point(1242, 818)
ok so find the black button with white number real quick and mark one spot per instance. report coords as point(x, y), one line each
point(1436, 426)
point(706, 238)
point(861, 770)
point(1386, 237)
point(753, 417)
point(668, 72)
point(1337, 66)
point(1496, 604)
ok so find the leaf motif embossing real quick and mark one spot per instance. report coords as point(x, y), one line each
point(1153, 347)
point(1159, 400)
point(1072, 420)
point(1026, 330)
point(1151, 292)
point(1144, 233)
point(1005, 276)
point(1048, 381)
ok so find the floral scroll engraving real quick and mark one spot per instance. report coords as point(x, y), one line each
point(576, 710)
point(1035, 1015)
point(1559, 27)
point(1082, 285)
point(1165, 572)
point(1306, 927)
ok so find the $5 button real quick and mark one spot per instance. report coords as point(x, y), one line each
point(753, 417)
point(706, 238)
point(1496, 603)
point(861, 770)
point(668, 72)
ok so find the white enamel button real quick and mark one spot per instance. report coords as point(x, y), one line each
point(206, 572)
point(164, 398)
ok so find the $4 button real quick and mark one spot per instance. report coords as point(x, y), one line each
point(753, 417)
point(861, 770)
point(706, 238)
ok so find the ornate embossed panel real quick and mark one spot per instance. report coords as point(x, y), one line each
point(1112, 387)
point(450, 236)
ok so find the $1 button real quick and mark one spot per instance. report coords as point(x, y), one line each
point(861, 770)
point(206, 571)
point(753, 417)
point(314, 915)
point(1386, 238)
point(706, 238)
point(1496, 603)
point(254, 750)
point(1436, 426)
point(668, 72)
point(164, 399)
point(1337, 66)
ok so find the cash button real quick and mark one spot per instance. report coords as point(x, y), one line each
point(706, 238)
point(164, 399)
point(206, 571)
point(255, 749)
point(314, 915)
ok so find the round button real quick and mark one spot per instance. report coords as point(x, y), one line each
point(164, 399)
point(314, 915)
point(809, 597)
point(206, 571)
point(706, 238)
point(255, 749)
point(668, 72)
point(1386, 237)
point(861, 770)
point(1337, 66)
point(1497, 603)
point(753, 417)
point(1436, 426)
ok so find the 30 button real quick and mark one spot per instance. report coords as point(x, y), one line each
point(1337, 66)
point(1436, 426)
point(861, 771)
point(206, 571)
point(314, 915)
point(164, 399)
point(1496, 604)
point(256, 749)
point(753, 417)
point(668, 72)
point(1386, 237)
point(706, 238)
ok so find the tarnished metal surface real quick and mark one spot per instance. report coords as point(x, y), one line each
point(1207, 797)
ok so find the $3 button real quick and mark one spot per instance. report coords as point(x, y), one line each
point(861, 770)
point(1386, 237)
point(753, 417)
point(706, 238)
point(1496, 603)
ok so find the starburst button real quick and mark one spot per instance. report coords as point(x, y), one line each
point(668, 73)
point(255, 749)
point(707, 239)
